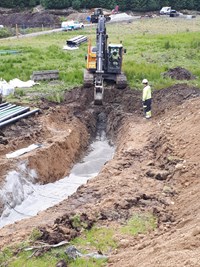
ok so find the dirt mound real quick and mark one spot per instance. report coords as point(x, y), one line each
point(29, 19)
point(39, 17)
point(168, 98)
point(179, 73)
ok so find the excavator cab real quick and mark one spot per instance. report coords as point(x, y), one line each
point(115, 58)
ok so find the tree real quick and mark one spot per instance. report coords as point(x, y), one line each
point(164, 3)
point(134, 5)
point(122, 5)
point(197, 5)
point(56, 3)
point(76, 4)
point(152, 5)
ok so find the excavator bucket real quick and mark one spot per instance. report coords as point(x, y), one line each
point(98, 96)
point(98, 92)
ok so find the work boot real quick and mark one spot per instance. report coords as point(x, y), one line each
point(148, 114)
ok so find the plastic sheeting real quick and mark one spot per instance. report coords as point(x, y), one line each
point(23, 151)
point(7, 88)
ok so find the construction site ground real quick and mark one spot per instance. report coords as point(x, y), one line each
point(155, 169)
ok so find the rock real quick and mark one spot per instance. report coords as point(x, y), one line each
point(150, 163)
point(150, 173)
point(168, 190)
point(196, 231)
point(179, 166)
point(158, 174)
point(61, 263)
point(161, 175)
point(124, 243)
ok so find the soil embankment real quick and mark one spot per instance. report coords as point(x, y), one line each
point(155, 169)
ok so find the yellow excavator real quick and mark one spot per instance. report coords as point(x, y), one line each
point(104, 62)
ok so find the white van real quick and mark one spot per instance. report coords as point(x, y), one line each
point(71, 25)
point(165, 10)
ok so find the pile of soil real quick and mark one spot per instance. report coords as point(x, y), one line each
point(28, 19)
point(38, 17)
point(179, 73)
point(155, 169)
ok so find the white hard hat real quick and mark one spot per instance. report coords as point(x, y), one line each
point(144, 81)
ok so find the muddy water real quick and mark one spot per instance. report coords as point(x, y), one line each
point(28, 198)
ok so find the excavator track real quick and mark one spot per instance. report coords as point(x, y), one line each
point(121, 81)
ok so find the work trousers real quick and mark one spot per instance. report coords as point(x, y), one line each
point(147, 108)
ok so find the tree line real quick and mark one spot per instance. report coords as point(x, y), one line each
point(124, 5)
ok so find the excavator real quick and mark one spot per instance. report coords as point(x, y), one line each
point(104, 62)
point(98, 12)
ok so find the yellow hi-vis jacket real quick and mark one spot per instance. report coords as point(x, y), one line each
point(146, 93)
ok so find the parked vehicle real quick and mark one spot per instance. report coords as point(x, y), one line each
point(71, 25)
point(165, 10)
point(174, 13)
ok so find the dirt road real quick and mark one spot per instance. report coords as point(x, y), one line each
point(155, 169)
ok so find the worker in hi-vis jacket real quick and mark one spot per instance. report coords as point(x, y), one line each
point(146, 99)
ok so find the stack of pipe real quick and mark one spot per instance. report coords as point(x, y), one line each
point(75, 41)
point(10, 113)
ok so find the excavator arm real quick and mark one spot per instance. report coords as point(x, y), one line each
point(101, 53)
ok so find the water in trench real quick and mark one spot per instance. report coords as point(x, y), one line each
point(27, 199)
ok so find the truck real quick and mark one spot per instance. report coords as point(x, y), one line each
point(104, 62)
point(165, 10)
point(99, 12)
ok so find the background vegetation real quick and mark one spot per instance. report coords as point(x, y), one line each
point(153, 47)
point(134, 5)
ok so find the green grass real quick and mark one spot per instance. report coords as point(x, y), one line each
point(99, 238)
point(139, 223)
point(153, 47)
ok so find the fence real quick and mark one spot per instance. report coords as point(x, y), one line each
point(16, 30)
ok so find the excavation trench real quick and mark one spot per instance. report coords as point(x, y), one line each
point(140, 178)
point(23, 198)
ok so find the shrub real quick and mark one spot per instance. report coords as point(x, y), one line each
point(5, 32)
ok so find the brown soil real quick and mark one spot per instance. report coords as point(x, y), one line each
point(155, 169)
point(39, 17)
point(179, 73)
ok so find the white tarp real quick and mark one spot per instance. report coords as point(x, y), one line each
point(66, 47)
point(7, 88)
point(120, 17)
point(16, 83)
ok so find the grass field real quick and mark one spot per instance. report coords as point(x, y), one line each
point(153, 46)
